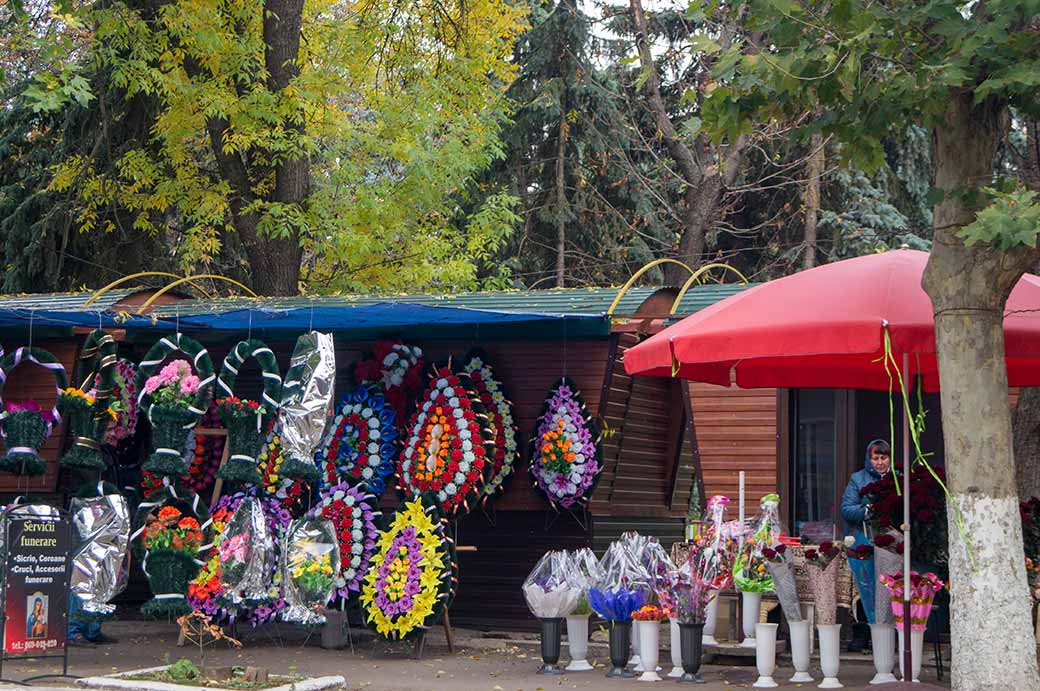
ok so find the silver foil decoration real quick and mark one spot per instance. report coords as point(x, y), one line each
point(101, 530)
point(246, 553)
point(307, 395)
point(309, 542)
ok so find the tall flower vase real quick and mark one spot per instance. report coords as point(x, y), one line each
point(691, 637)
point(578, 642)
point(752, 603)
point(830, 647)
point(916, 650)
point(649, 648)
point(550, 646)
point(675, 648)
point(765, 655)
point(801, 650)
point(711, 617)
point(883, 642)
point(634, 660)
point(620, 637)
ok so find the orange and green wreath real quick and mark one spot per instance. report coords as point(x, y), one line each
point(449, 447)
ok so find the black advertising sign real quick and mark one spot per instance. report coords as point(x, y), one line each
point(37, 543)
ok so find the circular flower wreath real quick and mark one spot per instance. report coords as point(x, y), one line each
point(447, 451)
point(565, 460)
point(412, 575)
point(352, 513)
point(363, 443)
point(123, 402)
point(500, 418)
point(204, 593)
point(288, 492)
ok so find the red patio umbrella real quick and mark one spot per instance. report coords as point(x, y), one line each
point(827, 328)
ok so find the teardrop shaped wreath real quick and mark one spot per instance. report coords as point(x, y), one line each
point(123, 401)
point(566, 460)
point(500, 419)
point(352, 512)
point(412, 575)
point(24, 424)
point(447, 452)
point(363, 443)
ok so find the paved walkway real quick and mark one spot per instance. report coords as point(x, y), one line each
point(482, 663)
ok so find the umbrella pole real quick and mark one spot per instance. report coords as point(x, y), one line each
point(908, 669)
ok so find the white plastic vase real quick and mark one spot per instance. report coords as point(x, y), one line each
point(711, 617)
point(883, 643)
point(830, 647)
point(675, 647)
point(765, 655)
point(801, 650)
point(916, 650)
point(634, 661)
point(649, 646)
point(578, 642)
point(752, 604)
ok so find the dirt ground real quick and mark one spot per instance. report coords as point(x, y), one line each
point(481, 663)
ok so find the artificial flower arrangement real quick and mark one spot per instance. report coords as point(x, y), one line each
point(246, 553)
point(715, 557)
point(566, 460)
point(781, 569)
point(923, 588)
point(363, 442)
point(175, 399)
point(246, 420)
point(397, 369)
point(123, 402)
point(207, 593)
point(449, 445)
point(207, 453)
point(87, 409)
point(310, 563)
point(649, 613)
point(290, 493)
point(412, 575)
point(171, 541)
point(750, 572)
point(554, 587)
point(822, 566)
point(928, 517)
point(624, 584)
point(352, 513)
point(500, 419)
point(24, 424)
point(684, 596)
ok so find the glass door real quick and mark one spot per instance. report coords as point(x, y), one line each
point(814, 474)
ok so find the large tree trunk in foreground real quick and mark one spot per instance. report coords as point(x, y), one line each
point(993, 647)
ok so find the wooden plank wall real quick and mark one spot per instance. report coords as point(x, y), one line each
point(736, 430)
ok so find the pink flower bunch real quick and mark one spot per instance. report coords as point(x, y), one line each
point(175, 385)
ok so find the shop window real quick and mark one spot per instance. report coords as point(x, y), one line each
point(815, 457)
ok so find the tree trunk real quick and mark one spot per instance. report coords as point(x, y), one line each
point(561, 202)
point(812, 198)
point(991, 629)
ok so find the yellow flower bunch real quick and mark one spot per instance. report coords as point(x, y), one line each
point(74, 392)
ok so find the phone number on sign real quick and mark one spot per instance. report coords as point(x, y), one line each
point(36, 644)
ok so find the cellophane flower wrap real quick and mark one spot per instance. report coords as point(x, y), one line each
point(886, 560)
point(101, 528)
point(684, 595)
point(750, 573)
point(246, 553)
point(207, 591)
point(713, 562)
point(310, 563)
point(566, 458)
point(823, 583)
point(412, 576)
point(306, 403)
point(352, 512)
point(554, 586)
point(781, 570)
point(490, 392)
point(923, 588)
point(449, 445)
point(623, 586)
point(363, 442)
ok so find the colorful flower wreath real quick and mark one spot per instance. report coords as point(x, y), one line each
point(123, 401)
point(500, 418)
point(397, 369)
point(412, 575)
point(204, 593)
point(363, 442)
point(288, 492)
point(447, 451)
point(566, 458)
point(208, 450)
point(352, 512)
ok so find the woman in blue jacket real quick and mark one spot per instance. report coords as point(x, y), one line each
point(855, 510)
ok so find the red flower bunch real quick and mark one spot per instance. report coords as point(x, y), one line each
point(170, 530)
point(928, 512)
point(774, 554)
point(824, 555)
point(861, 552)
point(237, 406)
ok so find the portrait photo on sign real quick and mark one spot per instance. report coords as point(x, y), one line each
point(36, 622)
